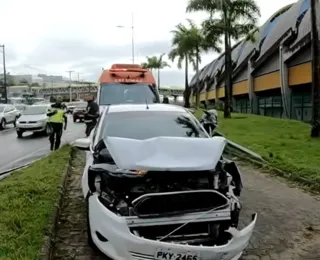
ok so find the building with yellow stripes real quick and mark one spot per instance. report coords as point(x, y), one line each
point(271, 76)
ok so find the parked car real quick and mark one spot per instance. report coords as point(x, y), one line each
point(70, 107)
point(79, 111)
point(8, 115)
point(33, 119)
point(157, 185)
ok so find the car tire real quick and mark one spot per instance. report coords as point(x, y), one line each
point(2, 124)
point(19, 134)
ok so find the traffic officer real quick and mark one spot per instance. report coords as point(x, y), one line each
point(57, 117)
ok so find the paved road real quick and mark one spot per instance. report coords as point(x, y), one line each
point(15, 152)
point(288, 226)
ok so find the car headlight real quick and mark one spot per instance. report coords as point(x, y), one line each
point(42, 121)
point(17, 122)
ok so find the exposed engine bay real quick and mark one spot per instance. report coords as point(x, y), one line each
point(185, 207)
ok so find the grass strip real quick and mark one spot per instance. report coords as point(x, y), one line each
point(27, 201)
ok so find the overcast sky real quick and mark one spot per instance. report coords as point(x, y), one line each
point(53, 36)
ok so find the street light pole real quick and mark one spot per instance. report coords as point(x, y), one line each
point(70, 91)
point(4, 74)
point(315, 129)
point(132, 35)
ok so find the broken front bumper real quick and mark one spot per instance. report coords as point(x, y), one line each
point(112, 236)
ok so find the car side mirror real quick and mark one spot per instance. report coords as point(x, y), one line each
point(83, 144)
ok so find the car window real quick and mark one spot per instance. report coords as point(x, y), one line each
point(8, 109)
point(144, 125)
point(35, 110)
point(118, 93)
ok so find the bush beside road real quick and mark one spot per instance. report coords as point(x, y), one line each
point(285, 144)
point(27, 201)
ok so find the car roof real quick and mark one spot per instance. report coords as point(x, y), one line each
point(143, 107)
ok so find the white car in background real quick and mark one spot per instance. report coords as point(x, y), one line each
point(33, 119)
point(8, 115)
point(157, 187)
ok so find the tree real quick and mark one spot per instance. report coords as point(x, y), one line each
point(155, 63)
point(236, 19)
point(188, 43)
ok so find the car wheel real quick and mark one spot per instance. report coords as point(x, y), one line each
point(90, 240)
point(19, 134)
point(2, 124)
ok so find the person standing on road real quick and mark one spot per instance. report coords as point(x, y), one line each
point(57, 117)
point(92, 114)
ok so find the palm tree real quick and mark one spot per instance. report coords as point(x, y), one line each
point(155, 63)
point(188, 43)
point(237, 18)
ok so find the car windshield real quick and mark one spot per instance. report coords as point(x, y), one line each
point(119, 93)
point(20, 108)
point(1, 109)
point(145, 125)
point(81, 105)
point(35, 110)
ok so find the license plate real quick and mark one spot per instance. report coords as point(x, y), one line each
point(169, 255)
point(80, 115)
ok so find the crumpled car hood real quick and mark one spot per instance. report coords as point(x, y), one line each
point(166, 153)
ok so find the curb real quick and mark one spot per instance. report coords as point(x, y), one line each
point(49, 240)
point(8, 172)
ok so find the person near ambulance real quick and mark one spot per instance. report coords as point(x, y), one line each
point(57, 117)
point(92, 114)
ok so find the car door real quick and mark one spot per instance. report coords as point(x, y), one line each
point(13, 113)
point(8, 114)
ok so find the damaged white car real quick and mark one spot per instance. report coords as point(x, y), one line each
point(157, 187)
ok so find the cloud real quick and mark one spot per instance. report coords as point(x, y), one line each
point(78, 51)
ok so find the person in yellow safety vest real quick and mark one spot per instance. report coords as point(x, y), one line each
point(57, 117)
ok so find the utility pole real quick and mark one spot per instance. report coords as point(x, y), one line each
point(70, 80)
point(315, 129)
point(132, 35)
point(4, 74)
point(51, 79)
